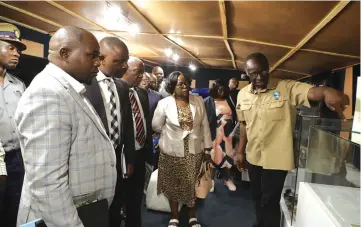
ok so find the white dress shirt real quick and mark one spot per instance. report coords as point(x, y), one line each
point(106, 97)
point(137, 145)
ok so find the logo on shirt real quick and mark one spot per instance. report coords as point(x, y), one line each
point(276, 95)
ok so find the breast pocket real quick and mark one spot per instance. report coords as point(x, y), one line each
point(276, 111)
point(247, 112)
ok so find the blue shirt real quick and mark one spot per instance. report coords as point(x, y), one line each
point(10, 94)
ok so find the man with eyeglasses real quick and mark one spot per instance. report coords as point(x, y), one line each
point(139, 101)
point(11, 89)
point(267, 111)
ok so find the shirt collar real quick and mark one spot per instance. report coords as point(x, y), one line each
point(101, 76)
point(272, 84)
point(8, 77)
point(78, 87)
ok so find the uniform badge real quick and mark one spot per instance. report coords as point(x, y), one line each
point(18, 93)
point(276, 95)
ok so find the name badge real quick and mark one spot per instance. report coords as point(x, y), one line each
point(276, 95)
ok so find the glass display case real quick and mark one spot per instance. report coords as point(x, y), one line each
point(324, 155)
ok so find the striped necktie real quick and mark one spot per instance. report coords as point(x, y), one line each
point(114, 122)
point(139, 125)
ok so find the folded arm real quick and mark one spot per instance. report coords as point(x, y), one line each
point(45, 132)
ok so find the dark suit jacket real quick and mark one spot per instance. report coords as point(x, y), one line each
point(143, 98)
point(154, 98)
point(127, 134)
point(233, 94)
point(211, 114)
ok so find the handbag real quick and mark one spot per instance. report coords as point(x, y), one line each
point(204, 181)
point(153, 201)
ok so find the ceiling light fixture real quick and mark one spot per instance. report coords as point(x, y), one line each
point(192, 67)
point(168, 52)
point(133, 29)
point(175, 57)
point(141, 3)
point(115, 19)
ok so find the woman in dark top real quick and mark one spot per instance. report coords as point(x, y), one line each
point(222, 119)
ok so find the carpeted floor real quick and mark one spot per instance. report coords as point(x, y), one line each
point(221, 209)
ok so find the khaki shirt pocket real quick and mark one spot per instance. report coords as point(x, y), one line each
point(246, 109)
point(276, 111)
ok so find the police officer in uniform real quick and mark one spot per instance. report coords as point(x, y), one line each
point(11, 89)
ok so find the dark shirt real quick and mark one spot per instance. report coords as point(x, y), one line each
point(233, 94)
point(154, 98)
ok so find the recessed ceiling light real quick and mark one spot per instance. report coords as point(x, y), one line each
point(175, 57)
point(192, 67)
point(133, 29)
point(168, 52)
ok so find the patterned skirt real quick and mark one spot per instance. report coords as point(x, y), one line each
point(177, 176)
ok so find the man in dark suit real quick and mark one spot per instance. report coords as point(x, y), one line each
point(233, 90)
point(142, 137)
point(111, 102)
point(153, 96)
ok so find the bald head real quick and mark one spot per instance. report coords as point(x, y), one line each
point(115, 57)
point(135, 71)
point(76, 51)
point(110, 43)
point(65, 37)
point(158, 72)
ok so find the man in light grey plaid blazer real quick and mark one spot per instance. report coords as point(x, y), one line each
point(67, 154)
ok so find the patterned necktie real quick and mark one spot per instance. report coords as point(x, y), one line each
point(114, 123)
point(139, 126)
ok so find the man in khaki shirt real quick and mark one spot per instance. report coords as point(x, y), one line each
point(267, 112)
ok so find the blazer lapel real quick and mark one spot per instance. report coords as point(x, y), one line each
point(95, 97)
point(193, 106)
point(86, 108)
point(173, 111)
point(142, 100)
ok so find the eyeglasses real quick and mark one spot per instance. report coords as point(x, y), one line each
point(183, 85)
point(256, 74)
